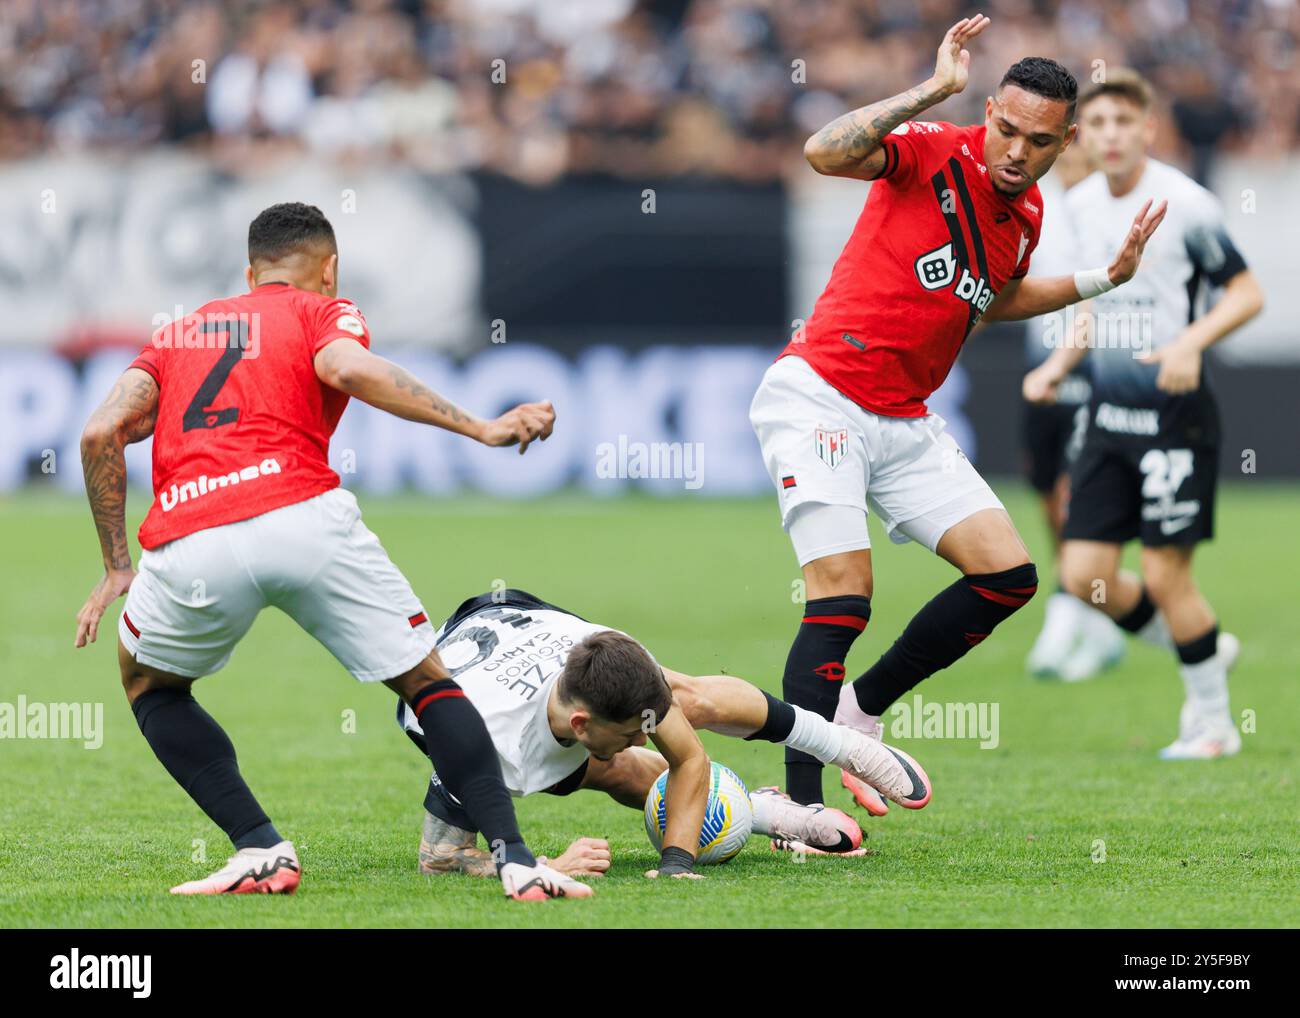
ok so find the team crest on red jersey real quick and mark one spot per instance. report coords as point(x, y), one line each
point(831, 445)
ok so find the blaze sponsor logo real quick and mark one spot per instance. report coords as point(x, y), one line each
point(205, 485)
point(939, 269)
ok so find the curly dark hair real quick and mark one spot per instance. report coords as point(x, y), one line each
point(1044, 77)
point(282, 229)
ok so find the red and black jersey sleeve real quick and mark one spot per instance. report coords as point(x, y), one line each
point(148, 360)
point(912, 147)
point(333, 318)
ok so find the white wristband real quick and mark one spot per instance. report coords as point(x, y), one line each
point(1092, 282)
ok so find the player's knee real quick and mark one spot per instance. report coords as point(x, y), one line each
point(1010, 589)
point(839, 576)
point(1076, 581)
point(406, 685)
point(1084, 575)
point(1167, 577)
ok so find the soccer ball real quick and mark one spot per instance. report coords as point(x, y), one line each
point(728, 817)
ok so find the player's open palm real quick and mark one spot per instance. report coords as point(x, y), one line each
point(522, 425)
point(586, 857)
point(110, 587)
point(1129, 256)
point(952, 66)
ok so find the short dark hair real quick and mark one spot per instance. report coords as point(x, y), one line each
point(282, 229)
point(1046, 78)
point(1123, 82)
point(614, 677)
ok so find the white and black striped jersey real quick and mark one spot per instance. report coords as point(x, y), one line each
point(1188, 254)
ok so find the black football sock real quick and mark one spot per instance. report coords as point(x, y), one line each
point(954, 621)
point(1204, 647)
point(779, 722)
point(1135, 620)
point(814, 676)
point(196, 751)
point(462, 753)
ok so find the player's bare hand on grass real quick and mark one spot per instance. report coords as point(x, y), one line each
point(521, 426)
point(586, 857)
point(1040, 385)
point(952, 66)
point(1126, 262)
point(110, 587)
point(1180, 367)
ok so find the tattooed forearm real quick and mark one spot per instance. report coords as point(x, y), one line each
point(844, 144)
point(404, 380)
point(127, 415)
point(445, 848)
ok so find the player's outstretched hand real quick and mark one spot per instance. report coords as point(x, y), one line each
point(952, 66)
point(520, 426)
point(1039, 386)
point(586, 857)
point(1180, 367)
point(111, 586)
point(1128, 258)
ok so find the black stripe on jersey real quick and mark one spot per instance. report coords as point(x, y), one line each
point(972, 220)
point(891, 159)
point(1193, 292)
point(940, 183)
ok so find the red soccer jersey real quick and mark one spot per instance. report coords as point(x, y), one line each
point(243, 422)
point(932, 248)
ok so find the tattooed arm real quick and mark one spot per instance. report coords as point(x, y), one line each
point(127, 416)
point(348, 366)
point(850, 145)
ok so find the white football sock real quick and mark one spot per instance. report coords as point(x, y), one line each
point(1062, 618)
point(764, 808)
point(1206, 683)
point(814, 735)
point(1096, 624)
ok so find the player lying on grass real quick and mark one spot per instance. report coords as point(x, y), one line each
point(241, 399)
point(570, 703)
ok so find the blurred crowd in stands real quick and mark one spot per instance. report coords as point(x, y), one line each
point(539, 88)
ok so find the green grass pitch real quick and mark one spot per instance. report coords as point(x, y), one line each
point(1070, 821)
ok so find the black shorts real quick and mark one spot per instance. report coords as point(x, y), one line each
point(1046, 438)
point(1158, 488)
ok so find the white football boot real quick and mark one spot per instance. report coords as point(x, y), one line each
point(539, 883)
point(1203, 735)
point(813, 829)
point(272, 870)
point(850, 715)
point(1207, 733)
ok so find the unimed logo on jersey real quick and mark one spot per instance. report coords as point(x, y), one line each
point(939, 269)
point(205, 485)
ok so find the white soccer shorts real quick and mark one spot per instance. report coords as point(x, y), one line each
point(822, 449)
point(195, 597)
